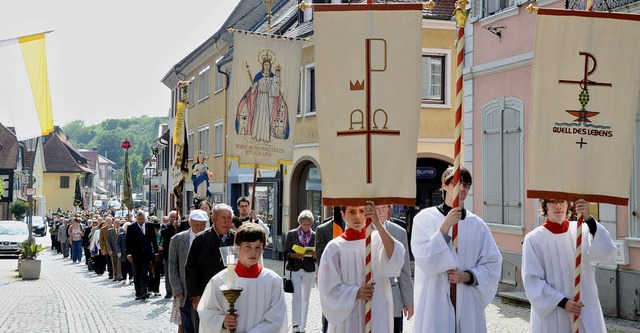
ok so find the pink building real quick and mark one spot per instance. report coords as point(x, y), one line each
point(499, 56)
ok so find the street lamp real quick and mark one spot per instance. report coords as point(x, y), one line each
point(31, 145)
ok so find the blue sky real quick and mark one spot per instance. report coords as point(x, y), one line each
point(106, 58)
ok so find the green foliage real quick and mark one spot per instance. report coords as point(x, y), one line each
point(30, 249)
point(18, 208)
point(107, 136)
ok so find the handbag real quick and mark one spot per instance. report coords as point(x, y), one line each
point(287, 284)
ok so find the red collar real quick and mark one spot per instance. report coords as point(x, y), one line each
point(352, 234)
point(249, 273)
point(557, 228)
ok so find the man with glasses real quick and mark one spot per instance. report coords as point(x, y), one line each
point(473, 269)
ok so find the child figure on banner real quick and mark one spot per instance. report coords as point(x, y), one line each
point(200, 177)
point(341, 274)
point(548, 269)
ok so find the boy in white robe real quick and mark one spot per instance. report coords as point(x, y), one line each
point(261, 305)
point(548, 269)
point(474, 269)
point(341, 275)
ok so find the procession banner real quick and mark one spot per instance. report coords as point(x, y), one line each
point(584, 104)
point(24, 86)
point(368, 74)
point(264, 100)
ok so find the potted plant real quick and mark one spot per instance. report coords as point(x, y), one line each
point(29, 266)
point(18, 208)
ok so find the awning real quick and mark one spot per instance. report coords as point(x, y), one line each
point(101, 189)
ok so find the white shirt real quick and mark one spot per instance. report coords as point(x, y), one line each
point(192, 235)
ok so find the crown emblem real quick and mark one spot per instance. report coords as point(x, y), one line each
point(266, 55)
point(356, 86)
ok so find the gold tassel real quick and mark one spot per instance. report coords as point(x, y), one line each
point(259, 174)
point(229, 166)
point(285, 169)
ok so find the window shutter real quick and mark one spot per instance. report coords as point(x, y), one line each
point(492, 157)
point(511, 134)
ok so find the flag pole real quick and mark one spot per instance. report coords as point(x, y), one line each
point(461, 13)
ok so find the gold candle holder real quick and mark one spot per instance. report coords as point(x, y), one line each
point(232, 296)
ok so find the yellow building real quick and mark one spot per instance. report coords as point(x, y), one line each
point(62, 165)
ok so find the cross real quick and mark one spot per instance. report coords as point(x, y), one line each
point(369, 131)
point(270, 4)
point(581, 142)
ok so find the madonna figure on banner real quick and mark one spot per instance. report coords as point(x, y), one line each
point(262, 111)
point(200, 177)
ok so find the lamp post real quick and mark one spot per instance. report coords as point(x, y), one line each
point(149, 172)
point(31, 145)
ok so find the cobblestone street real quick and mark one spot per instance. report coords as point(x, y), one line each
point(68, 298)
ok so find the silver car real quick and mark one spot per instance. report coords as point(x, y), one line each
point(12, 233)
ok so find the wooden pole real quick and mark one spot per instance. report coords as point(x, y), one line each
point(253, 192)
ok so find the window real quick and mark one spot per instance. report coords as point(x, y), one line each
point(502, 146)
point(433, 78)
point(310, 93)
point(218, 141)
point(192, 92)
point(64, 181)
point(203, 139)
point(494, 6)
point(203, 83)
point(191, 143)
point(219, 83)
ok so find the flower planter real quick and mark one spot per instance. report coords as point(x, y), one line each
point(29, 269)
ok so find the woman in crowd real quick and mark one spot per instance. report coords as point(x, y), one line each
point(299, 250)
point(75, 233)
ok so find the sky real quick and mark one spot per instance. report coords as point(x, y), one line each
point(106, 58)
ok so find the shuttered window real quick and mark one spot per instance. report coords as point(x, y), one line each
point(502, 162)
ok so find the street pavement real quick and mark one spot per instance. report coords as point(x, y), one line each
point(68, 298)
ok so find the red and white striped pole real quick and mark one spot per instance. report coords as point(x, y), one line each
point(367, 277)
point(576, 290)
point(461, 14)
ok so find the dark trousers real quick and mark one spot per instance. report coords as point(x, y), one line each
point(185, 316)
point(99, 264)
point(325, 324)
point(397, 324)
point(167, 284)
point(65, 248)
point(141, 276)
point(154, 277)
point(195, 319)
point(76, 251)
point(107, 259)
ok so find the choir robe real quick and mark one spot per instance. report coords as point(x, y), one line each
point(342, 272)
point(477, 252)
point(261, 305)
point(548, 273)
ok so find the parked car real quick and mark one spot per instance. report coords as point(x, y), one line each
point(12, 233)
point(38, 225)
point(115, 204)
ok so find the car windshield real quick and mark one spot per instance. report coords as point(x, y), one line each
point(13, 229)
point(35, 220)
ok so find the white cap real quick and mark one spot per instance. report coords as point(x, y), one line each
point(198, 215)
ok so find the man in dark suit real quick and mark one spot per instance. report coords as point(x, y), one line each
point(141, 247)
point(204, 259)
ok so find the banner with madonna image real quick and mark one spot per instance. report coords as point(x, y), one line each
point(264, 100)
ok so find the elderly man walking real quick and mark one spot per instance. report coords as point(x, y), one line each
point(178, 251)
point(63, 239)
